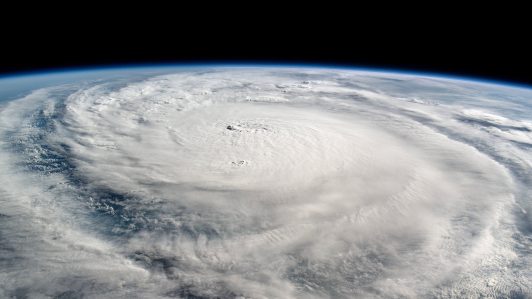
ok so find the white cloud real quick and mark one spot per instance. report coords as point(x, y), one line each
point(260, 183)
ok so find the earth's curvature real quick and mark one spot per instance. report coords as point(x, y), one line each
point(263, 182)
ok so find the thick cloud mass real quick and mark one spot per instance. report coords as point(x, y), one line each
point(267, 183)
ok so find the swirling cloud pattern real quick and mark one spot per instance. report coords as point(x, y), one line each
point(267, 183)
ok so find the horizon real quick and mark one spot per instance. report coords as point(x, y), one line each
point(325, 66)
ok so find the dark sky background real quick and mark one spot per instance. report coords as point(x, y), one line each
point(486, 50)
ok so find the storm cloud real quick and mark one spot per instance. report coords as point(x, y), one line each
point(267, 183)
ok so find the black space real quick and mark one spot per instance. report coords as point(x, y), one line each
point(485, 50)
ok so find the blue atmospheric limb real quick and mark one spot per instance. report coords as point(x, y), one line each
point(162, 67)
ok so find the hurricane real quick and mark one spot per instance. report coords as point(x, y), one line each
point(266, 182)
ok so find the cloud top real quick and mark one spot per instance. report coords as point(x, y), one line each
point(266, 183)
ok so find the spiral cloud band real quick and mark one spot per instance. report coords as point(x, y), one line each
point(267, 183)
